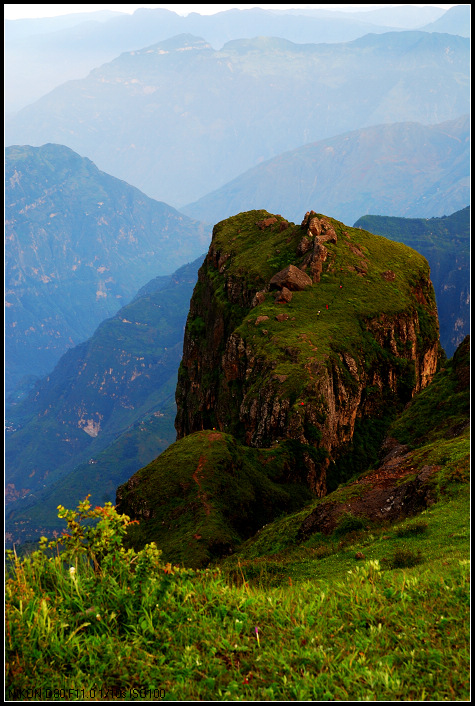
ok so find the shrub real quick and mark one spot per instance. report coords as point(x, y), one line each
point(349, 523)
point(412, 529)
point(405, 558)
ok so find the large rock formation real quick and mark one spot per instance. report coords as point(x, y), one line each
point(324, 367)
point(302, 343)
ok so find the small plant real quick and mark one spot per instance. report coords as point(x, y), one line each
point(349, 523)
point(413, 529)
point(405, 558)
point(92, 533)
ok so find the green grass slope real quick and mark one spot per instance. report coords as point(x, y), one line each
point(379, 613)
point(207, 493)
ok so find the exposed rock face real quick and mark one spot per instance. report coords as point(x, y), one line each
point(353, 345)
point(319, 231)
point(391, 492)
point(292, 278)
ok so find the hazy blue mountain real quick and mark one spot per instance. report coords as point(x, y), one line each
point(457, 20)
point(445, 243)
point(42, 54)
point(115, 388)
point(179, 119)
point(403, 16)
point(404, 169)
point(29, 27)
point(79, 244)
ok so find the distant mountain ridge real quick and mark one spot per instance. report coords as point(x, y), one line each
point(178, 119)
point(114, 390)
point(401, 169)
point(79, 244)
point(37, 64)
point(455, 21)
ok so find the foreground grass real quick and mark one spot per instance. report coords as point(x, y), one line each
point(124, 625)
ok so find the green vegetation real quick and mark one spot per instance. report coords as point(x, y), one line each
point(207, 493)
point(442, 410)
point(313, 331)
point(354, 610)
point(352, 327)
point(371, 611)
point(97, 616)
point(445, 242)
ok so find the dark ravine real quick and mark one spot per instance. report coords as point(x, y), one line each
point(105, 410)
point(302, 342)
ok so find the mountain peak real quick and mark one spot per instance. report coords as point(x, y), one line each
point(181, 42)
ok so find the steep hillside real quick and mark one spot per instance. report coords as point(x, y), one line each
point(301, 344)
point(404, 169)
point(425, 461)
point(99, 391)
point(167, 117)
point(445, 242)
point(79, 244)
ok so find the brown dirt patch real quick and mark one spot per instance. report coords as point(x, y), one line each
point(398, 488)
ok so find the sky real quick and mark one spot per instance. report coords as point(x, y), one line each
point(16, 12)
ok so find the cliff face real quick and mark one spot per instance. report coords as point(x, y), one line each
point(313, 333)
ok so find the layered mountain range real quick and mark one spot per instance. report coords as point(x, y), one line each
point(41, 54)
point(79, 244)
point(302, 343)
point(167, 117)
point(401, 169)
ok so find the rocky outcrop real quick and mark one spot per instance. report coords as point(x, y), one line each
point(292, 278)
point(356, 343)
point(396, 489)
